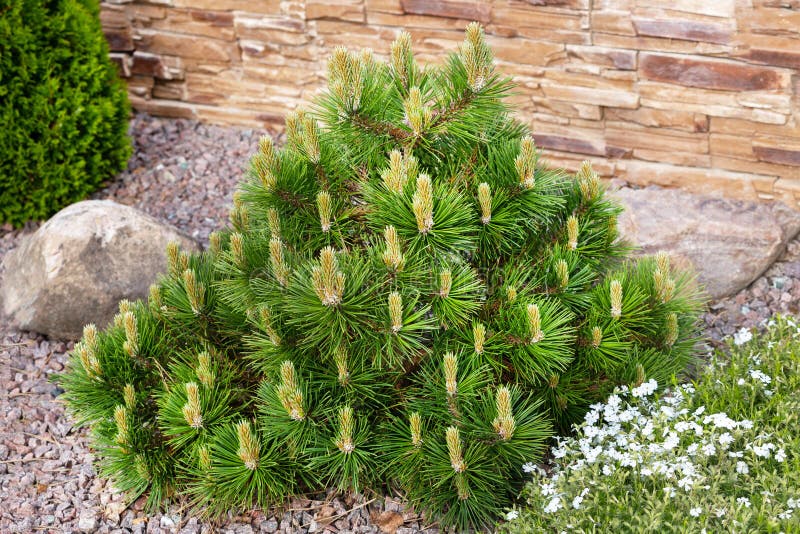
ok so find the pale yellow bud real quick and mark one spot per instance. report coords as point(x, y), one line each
point(588, 181)
point(249, 448)
point(450, 367)
point(204, 457)
point(340, 358)
point(395, 176)
point(289, 392)
point(393, 256)
point(266, 324)
point(671, 334)
point(525, 163)
point(344, 440)
point(125, 306)
point(328, 281)
point(562, 272)
point(485, 201)
point(415, 424)
point(192, 411)
point(214, 243)
point(534, 324)
point(616, 299)
point(155, 300)
point(121, 420)
point(445, 283)
point(640, 375)
point(324, 209)
point(311, 139)
point(511, 293)
point(266, 149)
point(237, 250)
point(453, 439)
point(277, 262)
point(422, 203)
point(195, 291)
point(131, 344)
point(476, 57)
point(417, 114)
point(129, 395)
point(204, 372)
point(401, 54)
point(597, 336)
point(274, 222)
point(396, 311)
point(572, 232)
point(504, 423)
point(479, 335)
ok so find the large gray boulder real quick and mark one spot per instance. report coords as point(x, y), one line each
point(730, 243)
point(79, 264)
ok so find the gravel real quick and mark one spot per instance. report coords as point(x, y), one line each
point(185, 173)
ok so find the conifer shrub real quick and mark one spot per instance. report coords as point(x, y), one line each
point(63, 110)
point(405, 297)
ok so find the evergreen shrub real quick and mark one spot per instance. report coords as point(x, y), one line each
point(405, 297)
point(63, 110)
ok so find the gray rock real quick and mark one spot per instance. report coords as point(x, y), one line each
point(87, 521)
point(730, 243)
point(78, 265)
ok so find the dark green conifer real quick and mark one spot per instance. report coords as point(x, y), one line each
point(405, 297)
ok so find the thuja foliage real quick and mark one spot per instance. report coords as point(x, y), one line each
point(404, 297)
point(63, 111)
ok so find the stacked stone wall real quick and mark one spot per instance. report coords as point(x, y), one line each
point(698, 94)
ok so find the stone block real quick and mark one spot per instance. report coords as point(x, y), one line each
point(711, 74)
point(688, 30)
point(350, 10)
point(454, 9)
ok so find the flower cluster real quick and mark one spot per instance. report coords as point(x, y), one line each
point(679, 455)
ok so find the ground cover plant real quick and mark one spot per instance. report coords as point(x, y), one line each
point(717, 455)
point(405, 297)
point(63, 110)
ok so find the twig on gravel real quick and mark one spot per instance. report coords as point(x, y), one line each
point(332, 518)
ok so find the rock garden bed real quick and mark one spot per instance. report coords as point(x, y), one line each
point(184, 173)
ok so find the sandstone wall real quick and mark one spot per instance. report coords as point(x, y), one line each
point(702, 94)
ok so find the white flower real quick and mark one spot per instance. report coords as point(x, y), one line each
point(547, 489)
point(742, 468)
point(512, 515)
point(672, 441)
point(529, 467)
point(725, 440)
point(576, 502)
point(553, 506)
point(744, 501)
point(645, 389)
point(785, 515)
point(719, 512)
point(741, 382)
point(709, 449)
point(608, 469)
point(780, 455)
point(742, 336)
point(762, 451)
point(695, 512)
point(793, 503)
point(761, 377)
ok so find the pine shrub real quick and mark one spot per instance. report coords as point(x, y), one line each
point(63, 110)
point(405, 297)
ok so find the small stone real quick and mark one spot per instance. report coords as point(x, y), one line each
point(269, 526)
point(87, 521)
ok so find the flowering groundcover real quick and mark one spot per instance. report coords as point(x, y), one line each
point(717, 455)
